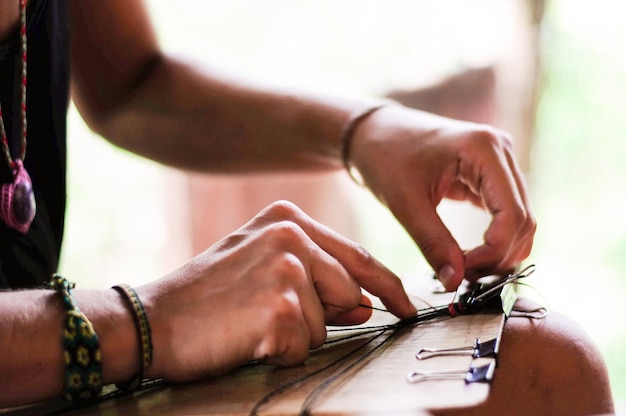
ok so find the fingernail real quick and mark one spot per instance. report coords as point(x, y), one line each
point(445, 275)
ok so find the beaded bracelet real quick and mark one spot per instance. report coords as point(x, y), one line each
point(143, 331)
point(346, 139)
point(83, 361)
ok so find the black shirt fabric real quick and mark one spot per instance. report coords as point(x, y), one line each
point(29, 260)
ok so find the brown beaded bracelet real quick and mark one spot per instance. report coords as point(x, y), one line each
point(143, 332)
point(346, 139)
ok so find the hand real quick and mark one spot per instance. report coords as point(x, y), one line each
point(411, 160)
point(264, 292)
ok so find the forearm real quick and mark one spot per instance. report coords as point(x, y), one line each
point(32, 325)
point(199, 120)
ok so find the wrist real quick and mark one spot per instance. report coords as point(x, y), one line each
point(162, 331)
point(112, 320)
point(144, 334)
point(353, 126)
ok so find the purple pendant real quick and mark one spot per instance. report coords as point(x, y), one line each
point(17, 206)
point(24, 206)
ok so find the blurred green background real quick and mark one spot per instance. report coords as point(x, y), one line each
point(123, 211)
point(579, 174)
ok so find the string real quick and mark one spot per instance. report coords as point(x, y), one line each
point(285, 386)
point(464, 306)
point(23, 56)
point(426, 315)
point(423, 316)
point(373, 308)
point(312, 398)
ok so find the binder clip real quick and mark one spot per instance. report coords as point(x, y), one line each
point(499, 295)
point(478, 350)
point(480, 374)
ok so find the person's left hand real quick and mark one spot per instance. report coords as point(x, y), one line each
point(411, 160)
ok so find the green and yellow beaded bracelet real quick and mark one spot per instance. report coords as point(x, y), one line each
point(83, 361)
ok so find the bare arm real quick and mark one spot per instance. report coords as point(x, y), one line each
point(158, 107)
point(31, 324)
point(291, 274)
point(162, 109)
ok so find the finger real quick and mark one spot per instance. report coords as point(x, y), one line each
point(529, 227)
point(460, 192)
point(291, 261)
point(362, 313)
point(363, 269)
point(336, 289)
point(523, 236)
point(324, 287)
point(496, 183)
point(434, 239)
point(359, 264)
point(285, 339)
point(517, 174)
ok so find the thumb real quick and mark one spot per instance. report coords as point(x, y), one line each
point(437, 245)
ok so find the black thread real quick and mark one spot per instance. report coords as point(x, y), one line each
point(465, 305)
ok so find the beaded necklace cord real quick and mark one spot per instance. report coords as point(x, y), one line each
point(17, 200)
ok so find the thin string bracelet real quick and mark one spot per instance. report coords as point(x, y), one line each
point(83, 359)
point(348, 134)
point(144, 334)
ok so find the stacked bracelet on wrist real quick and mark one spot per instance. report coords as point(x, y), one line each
point(83, 362)
point(144, 334)
point(346, 139)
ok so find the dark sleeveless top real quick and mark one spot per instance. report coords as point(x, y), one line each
point(29, 260)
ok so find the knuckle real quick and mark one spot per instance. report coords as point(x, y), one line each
point(288, 269)
point(488, 136)
point(281, 320)
point(499, 242)
point(362, 258)
point(280, 310)
point(531, 225)
point(282, 210)
point(524, 221)
point(284, 234)
point(519, 216)
point(284, 309)
point(506, 140)
point(529, 229)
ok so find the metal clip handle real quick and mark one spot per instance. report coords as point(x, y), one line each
point(426, 353)
point(525, 272)
point(481, 374)
point(423, 375)
point(478, 350)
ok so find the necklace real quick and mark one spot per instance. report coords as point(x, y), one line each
point(17, 200)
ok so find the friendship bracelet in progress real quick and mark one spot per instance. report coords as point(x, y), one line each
point(83, 361)
point(143, 331)
point(346, 139)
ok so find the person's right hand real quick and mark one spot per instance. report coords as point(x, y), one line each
point(412, 160)
point(264, 293)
